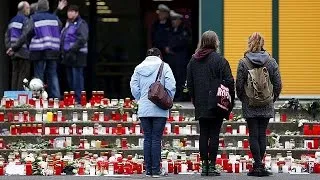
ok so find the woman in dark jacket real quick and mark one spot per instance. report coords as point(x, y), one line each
point(257, 117)
point(204, 69)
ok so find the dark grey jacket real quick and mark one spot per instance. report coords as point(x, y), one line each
point(20, 52)
point(200, 77)
point(258, 59)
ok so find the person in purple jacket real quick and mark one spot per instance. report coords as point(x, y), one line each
point(20, 59)
point(74, 47)
point(43, 32)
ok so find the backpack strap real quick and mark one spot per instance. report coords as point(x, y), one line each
point(248, 63)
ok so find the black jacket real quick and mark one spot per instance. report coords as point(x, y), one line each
point(200, 78)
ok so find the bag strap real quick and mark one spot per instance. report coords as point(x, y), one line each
point(159, 75)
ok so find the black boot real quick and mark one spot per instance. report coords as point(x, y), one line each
point(255, 171)
point(204, 171)
point(212, 171)
point(264, 171)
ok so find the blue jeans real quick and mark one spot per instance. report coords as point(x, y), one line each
point(75, 81)
point(153, 130)
point(48, 67)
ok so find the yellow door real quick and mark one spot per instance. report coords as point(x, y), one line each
point(299, 46)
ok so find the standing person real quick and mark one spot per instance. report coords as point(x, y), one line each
point(161, 29)
point(258, 101)
point(153, 118)
point(202, 72)
point(44, 31)
point(74, 47)
point(177, 51)
point(20, 59)
point(33, 8)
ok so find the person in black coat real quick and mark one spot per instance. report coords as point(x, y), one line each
point(202, 69)
point(161, 29)
point(74, 47)
point(177, 51)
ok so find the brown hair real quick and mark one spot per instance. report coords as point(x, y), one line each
point(209, 40)
point(255, 42)
point(154, 52)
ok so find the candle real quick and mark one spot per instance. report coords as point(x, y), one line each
point(242, 129)
point(28, 169)
point(49, 116)
point(234, 132)
point(277, 117)
point(38, 105)
point(101, 116)
point(85, 116)
point(75, 117)
point(285, 169)
point(184, 168)
point(83, 98)
point(1, 117)
point(245, 143)
point(137, 130)
point(56, 103)
point(176, 129)
point(229, 129)
point(283, 117)
point(45, 104)
point(274, 168)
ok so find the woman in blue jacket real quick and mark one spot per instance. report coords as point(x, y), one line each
point(153, 118)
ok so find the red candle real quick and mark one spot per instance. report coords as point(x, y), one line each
point(32, 102)
point(120, 168)
point(83, 99)
point(139, 168)
point(229, 129)
point(196, 166)
point(219, 161)
point(57, 169)
point(1, 117)
point(315, 143)
point(13, 130)
point(309, 145)
point(118, 116)
point(176, 129)
point(119, 129)
point(81, 170)
point(66, 98)
point(306, 129)
point(283, 117)
point(28, 168)
point(170, 118)
point(106, 118)
point(127, 103)
point(170, 167)
point(23, 129)
point(105, 101)
point(181, 118)
point(1, 143)
point(316, 168)
point(224, 156)
point(245, 143)
point(229, 169)
point(231, 116)
point(237, 168)
point(50, 103)
point(76, 155)
point(8, 103)
point(125, 117)
point(72, 98)
point(1, 170)
point(225, 164)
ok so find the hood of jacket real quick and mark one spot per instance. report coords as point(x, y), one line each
point(149, 66)
point(201, 53)
point(258, 58)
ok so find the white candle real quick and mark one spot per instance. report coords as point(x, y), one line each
point(184, 168)
point(168, 126)
point(242, 129)
point(75, 117)
point(85, 116)
point(277, 117)
point(165, 166)
point(285, 169)
point(92, 170)
point(234, 131)
point(274, 168)
point(38, 105)
point(45, 104)
point(101, 116)
point(287, 145)
point(137, 130)
point(66, 130)
point(86, 146)
point(111, 169)
point(196, 143)
point(134, 117)
point(38, 117)
point(298, 169)
point(59, 116)
point(239, 144)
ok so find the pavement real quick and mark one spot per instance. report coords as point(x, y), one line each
point(170, 177)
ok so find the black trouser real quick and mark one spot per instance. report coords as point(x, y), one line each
point(20, 70)
point(257, 138)
point(209, 138)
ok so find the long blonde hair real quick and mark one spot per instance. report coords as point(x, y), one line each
point(209, 40)
point(255, 42)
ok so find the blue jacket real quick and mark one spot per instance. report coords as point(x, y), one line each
point(14, 32)
point(144, 75)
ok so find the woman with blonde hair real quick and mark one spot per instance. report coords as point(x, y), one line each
point(258, 86)
point(206, 70)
